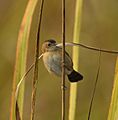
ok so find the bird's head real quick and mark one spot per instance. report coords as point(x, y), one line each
point(49, 45)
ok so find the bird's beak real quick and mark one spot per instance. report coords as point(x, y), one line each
point(66, 44)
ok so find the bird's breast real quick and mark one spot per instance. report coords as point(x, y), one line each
point(52, 61)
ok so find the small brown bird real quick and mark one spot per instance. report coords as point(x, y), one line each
point(52, 58)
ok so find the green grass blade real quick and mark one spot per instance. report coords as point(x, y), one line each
point(73, 87)
point(21, 56)
point(113, 110)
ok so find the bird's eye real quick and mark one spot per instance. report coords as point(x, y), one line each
point(49, 44)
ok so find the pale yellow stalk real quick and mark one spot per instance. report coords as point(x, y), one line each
point(113, 110)
point(73, 86)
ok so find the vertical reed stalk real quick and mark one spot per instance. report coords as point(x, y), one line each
point(113, 110)
point(63, 60)
point(73, 86)
point(35, 78)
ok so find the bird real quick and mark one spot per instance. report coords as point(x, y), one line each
point(52, 58)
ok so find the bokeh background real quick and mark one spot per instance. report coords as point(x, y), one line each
point(99, 28)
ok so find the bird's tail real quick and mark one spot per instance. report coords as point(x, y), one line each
point(75, 76)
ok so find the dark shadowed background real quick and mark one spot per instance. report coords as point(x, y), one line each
point(99, 28)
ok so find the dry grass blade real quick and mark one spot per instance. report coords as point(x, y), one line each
point(89, 47)
point(94, 89)
point(21, 56)
point(23, 78)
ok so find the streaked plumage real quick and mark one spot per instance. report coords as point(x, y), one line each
point(52, 58)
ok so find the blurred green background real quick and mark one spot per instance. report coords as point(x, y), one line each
point(99, 28)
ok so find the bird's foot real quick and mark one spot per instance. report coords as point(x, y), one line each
point(63, 87)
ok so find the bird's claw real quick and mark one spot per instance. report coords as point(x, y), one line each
point(63, 87)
